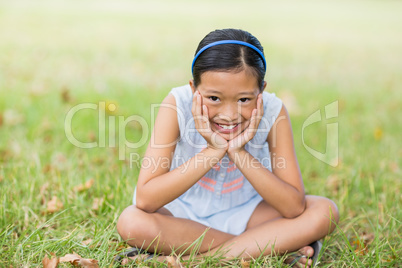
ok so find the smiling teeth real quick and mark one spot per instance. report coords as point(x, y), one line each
point(227, 127)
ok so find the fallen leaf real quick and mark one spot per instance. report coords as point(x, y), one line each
point(333, 183)
point(47, 168)
point(70, 258)
point(88, 263)
point(98, 202)
point(65, 95)
point(77, 260)
point(59, 161)
point(54, 205)
point(92, 136)
point(244, 264)
point(361, 243)
point(82, 187)
point(50, 263)
point(42, 192)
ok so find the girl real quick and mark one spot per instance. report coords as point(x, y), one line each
point(209, 168)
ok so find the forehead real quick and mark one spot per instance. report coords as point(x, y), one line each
point(229, 83)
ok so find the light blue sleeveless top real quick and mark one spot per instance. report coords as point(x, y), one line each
point(224, 186)
point(223, 198)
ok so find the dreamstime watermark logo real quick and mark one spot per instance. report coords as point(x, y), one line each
point(330, 155)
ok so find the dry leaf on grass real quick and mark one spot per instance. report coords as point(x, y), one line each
point(361, 243)
point(77, 260)
point(59, 161)
point(70, 258)
point(50, 263)
point(47, 168)
point(98, 202)
point(82, 187)
point(54, 205)
point(88, 263)
point(42, 192)
point(65, 95)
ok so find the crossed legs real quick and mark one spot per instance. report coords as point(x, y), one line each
point(266, 229)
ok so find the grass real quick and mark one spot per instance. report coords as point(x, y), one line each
point(58, 54)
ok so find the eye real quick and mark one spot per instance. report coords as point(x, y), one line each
point(243, 100)
point(214, 98)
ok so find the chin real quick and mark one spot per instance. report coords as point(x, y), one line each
point(229, 136)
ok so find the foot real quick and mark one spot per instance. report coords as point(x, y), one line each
point(301, 258)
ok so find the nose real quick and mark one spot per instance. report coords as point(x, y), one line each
point(230, 112)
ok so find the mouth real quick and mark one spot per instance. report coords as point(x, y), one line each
point(226, 128)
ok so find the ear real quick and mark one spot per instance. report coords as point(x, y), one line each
point(264, 85)
point(191, 82)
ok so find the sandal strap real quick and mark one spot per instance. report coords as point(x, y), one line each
point(296, 259)
point(129, 253)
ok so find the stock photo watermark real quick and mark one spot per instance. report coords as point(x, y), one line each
point(331, 153)
point(115, 137)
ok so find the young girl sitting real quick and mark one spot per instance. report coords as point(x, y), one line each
point(209, 168)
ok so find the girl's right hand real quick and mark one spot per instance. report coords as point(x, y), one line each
point(203, 126)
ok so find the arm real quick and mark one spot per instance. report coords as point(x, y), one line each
point(158, 186)
point(283, 187)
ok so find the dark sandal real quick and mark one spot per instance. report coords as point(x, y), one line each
point(317, 246)
point(131, 253)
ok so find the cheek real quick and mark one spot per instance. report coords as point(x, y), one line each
point(211, 111)
point(246, 112)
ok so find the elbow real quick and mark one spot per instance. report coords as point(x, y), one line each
point(297, 209)
point(145, 206)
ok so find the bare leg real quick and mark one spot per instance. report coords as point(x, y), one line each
point(266, 229)
point(163, 233)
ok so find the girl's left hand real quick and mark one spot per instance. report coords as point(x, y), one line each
point(237, 144)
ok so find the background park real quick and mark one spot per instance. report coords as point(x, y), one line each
point(120, 57)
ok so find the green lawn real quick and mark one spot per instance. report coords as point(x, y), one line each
point(55, 55)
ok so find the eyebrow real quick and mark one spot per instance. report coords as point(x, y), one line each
point(212, 92)
point(247, 93)
point(216, 92)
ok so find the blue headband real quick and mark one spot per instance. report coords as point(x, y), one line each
point(237, 42)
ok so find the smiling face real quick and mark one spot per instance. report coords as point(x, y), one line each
point(230, 98)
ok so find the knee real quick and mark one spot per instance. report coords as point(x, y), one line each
point(135, 226)
point(326, 213)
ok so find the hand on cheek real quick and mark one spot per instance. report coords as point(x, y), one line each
point(203, 126)
point(237, 144)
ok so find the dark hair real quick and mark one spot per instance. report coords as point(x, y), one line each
point(229, 57)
